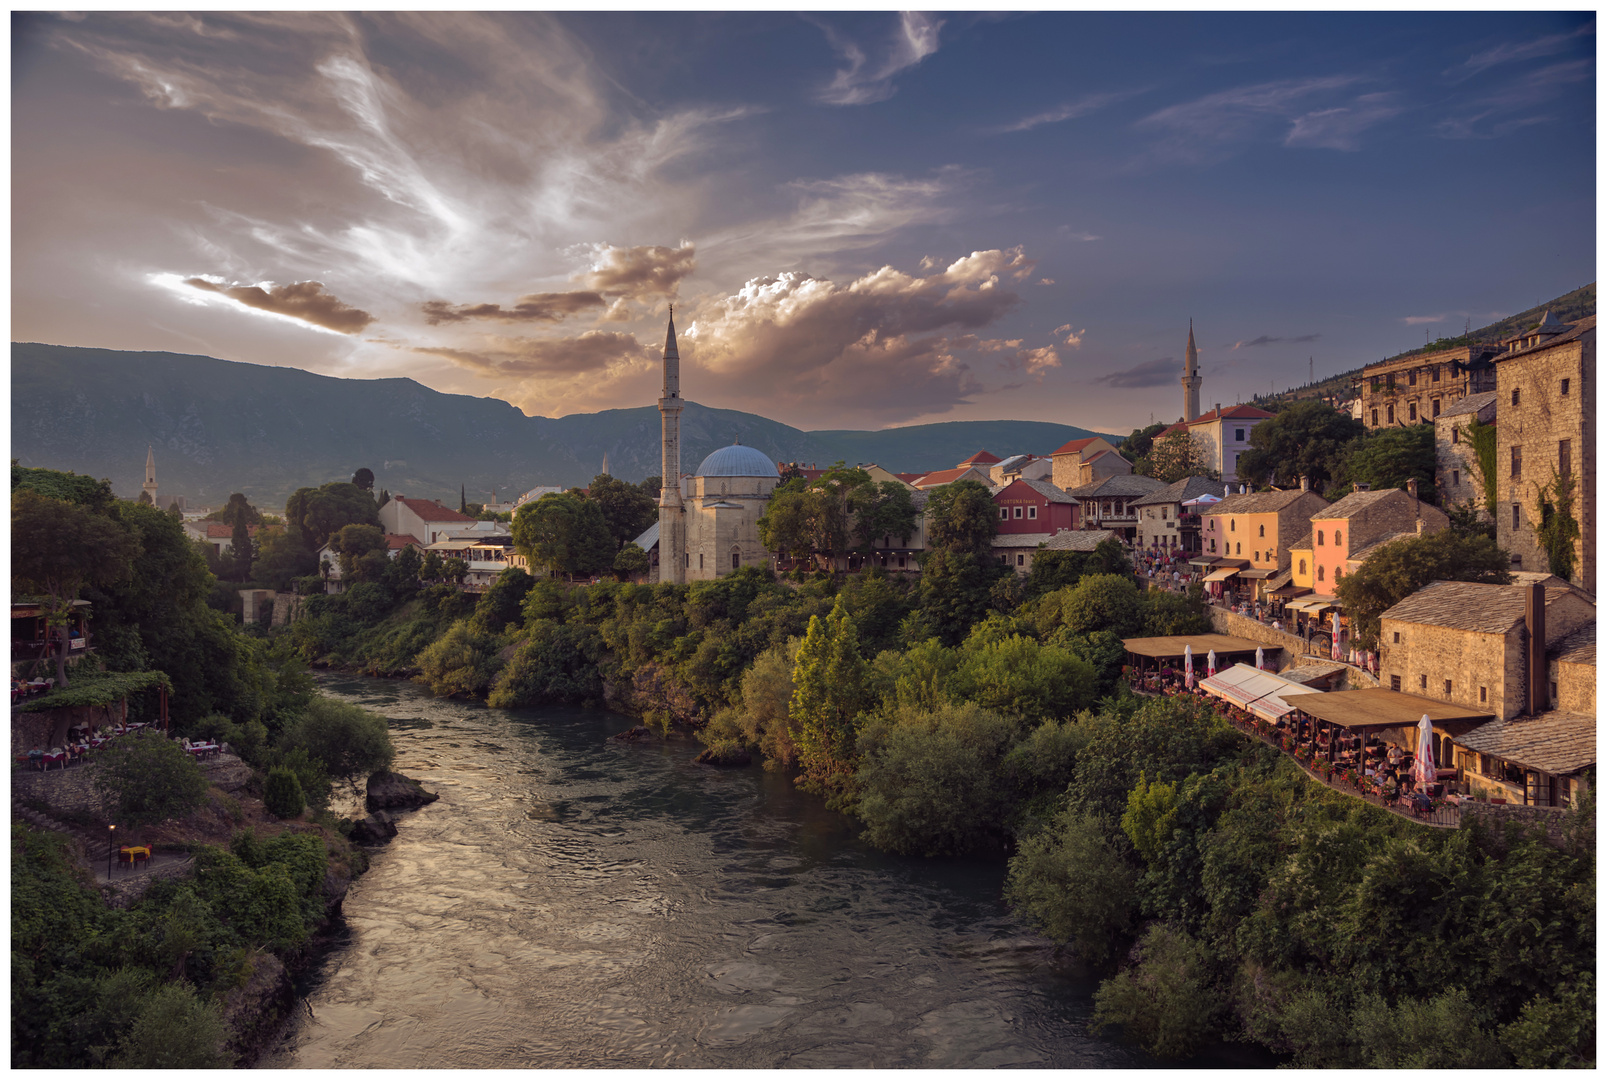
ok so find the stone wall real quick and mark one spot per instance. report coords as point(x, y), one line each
point(1576, 686)
point(49, 727)
point(1496, 817)
point(63, 791)
point(1542, 418)
point(1493, 662)
point(1458, 457)
point(1285, 650)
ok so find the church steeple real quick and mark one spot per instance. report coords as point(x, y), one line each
point(1191, 379)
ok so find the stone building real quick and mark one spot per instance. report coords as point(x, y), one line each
point(1111, 503)
point(1545, 390)
point(1259, 525)
point(1164, 523)
point(1457, 476)
point(1571, 668)
point(722, 504)
point(1223, 435)
point(1074, 464)
point(1470, 644)
point(1417, 387)
point(1021, 467)
point(426, 520)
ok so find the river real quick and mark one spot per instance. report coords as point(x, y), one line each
point(573, 902)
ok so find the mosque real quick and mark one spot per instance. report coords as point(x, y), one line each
point(708, 524)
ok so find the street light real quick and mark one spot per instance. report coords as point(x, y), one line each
point(111, 846)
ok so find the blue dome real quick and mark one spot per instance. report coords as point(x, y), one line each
point(737, 460)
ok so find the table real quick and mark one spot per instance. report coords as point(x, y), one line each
point(134, 853)
point(47, 760)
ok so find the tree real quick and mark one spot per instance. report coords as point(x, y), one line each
point(1177, 456)
point(364, 478)
point(502, 604)
point(565, 534)
point(829, 694)
point(1397, 570)
point(281, 558)
point(1388, 457)
point(631, 562)
point(430, 566)
point(1309, 438)
point(174, 1030)
point(627, 510)
point(58, 548)
point(281, 793)
point(235, 510)
point(67, 486)
point(146, 778)
point(240, 553)
point(454, 569)
point(349, 740)
point(651, 487)
point(322, 512)
point(1136, 447)
point(1072, 883)
point(883, 509)
point(961, 517)
point(352, 543)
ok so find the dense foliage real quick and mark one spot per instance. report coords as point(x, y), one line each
point(1399, 569)
point(1308, 439)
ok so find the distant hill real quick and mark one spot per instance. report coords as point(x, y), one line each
point(220, 426)
point(1569, 307)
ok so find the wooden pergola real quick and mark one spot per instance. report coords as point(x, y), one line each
point(1376, 711)
point(1157, 652)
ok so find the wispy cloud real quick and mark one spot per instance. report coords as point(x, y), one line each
point(864, 80)
point(1069, 111)
point(1418, 320)
point(1206, 128)
point(1265, 340)
point(1149, 374)
point(1341, 128)
point(1495, 115)
point(1509, 52)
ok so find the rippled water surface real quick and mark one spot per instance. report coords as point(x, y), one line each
point(575, 902)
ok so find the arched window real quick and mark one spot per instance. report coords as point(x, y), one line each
point(1238, 549)
point(1233, 525)
point(1263, 531)
point(1319, 571)
point(1319, 538)
point(1302, 566)
point(1339, 538)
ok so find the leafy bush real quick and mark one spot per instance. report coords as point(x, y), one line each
point(1164, 1002)
point(281, 793)
point(174, 1030)
point(145, 778)
point(348, 740)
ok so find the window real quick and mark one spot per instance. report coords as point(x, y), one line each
point(1514, 517)
point(1238, 434)
point(1447, 687)
point(1163, 513)
point(1021, 560)
point(1553, 692)
point(1389, 414)
point(1004, 513)
point(1436, 406)
point(1238, 549)
point(1456, 435)
point(700, 560)
point(1456, 478)
point(1434, 375)
point(1565, 457)
point(1411, 378)
point(1213, 547)
point(1263, 531)
point(1565, 388)
point(1517, 462)
point(1233, 524)
point(1319, 538)
point(1481, 695)
point(1422, 682)
point(1018, 513)
point(1411, 413)
point(1339, 572)
point(1377, 382)
point(1319, 571)
point(1302, 566)
point(1396, 639)
point(1389, 380)
point(1339, 538)
point(1375, 418)
point(1514, 396)
point(1256, 555)
point(1032, 513)
point(736, 560)
point(1394, 682)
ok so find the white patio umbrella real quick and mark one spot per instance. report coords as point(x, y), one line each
point(1336, 652)
point(1210, 663)
point(1423, 764)
point(1204, 500)
point(1260, 659)
point(1188, 666)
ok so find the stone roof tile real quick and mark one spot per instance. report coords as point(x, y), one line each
point(1554, 742)
point(1467, 605)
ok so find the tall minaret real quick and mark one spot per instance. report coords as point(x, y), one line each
point(605, 456)
point(671, 515)
point(150, 473)
point(1191, 379)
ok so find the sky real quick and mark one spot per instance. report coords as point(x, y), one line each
point(864, 220)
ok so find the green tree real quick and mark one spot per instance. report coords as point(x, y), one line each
point(961, 518)
point(281, 793)
point(1175, 457)
point(240, 553)
point(1100, 602)
point(363, 478)
point(1136, 447)
point(349, 740)
point(631, 562)
point(627, 510)
point(1388, 457)
point(69, 487)
point(281, 557)
point(566, 534)
point(1399, 569)
point(237, 509)
point(461, 661)
point(321, 512)
point(431, 567)
point(352, 545)
point(823, 717)
point(882, 510)
point(1164, 1002)
point(1309, 438)
point(58, 548)
point(146, 778)
point(175, 1030)
point(1072, 883)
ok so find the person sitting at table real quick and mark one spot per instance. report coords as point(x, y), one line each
point(36, 757)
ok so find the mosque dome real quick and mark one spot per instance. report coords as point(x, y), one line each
point(737, 460)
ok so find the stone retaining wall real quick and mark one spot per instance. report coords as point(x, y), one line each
point(49, 727)
point(1293, 649)
point(1497, 816)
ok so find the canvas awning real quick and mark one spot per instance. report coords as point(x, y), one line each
point(1171, 648)
point(1257, 575)
point(1247, 687)
point(1380, 708)
point(1309, 605)
point(1289, 591)
point(1221, 575)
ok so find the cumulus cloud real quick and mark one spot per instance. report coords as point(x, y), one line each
point(1036, 361)
point(305, 301)
point(1148, 374)
point(1073, 337)
point(885, 346)
point(537, 307)
point(863, 81)
point(639, 271)
point(1265, 340)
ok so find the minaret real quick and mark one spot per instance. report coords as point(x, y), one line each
point(671, 515)
point(150, 473)
point(1191, 379)
point(605, 459)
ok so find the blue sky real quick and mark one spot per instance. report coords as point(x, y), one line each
point(865, 219)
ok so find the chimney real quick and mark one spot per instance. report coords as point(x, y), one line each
point(1219, 410)
point(1411, 487)
point(1534, 620)
point(1305, 483)
point(1363, 487)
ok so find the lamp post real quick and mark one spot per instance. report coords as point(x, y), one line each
point(111, 846)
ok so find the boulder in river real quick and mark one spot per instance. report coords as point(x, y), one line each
point(376, 828)
point(393, 791)
point(639, 733)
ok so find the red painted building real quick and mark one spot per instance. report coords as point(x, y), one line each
point(1035, 506)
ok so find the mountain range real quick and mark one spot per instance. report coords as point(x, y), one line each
point(218, 427)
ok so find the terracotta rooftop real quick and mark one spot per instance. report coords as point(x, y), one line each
point(1233, 412)
point(397, 541)
point(1467, 605)
point(431, 511)
point(981, 457)
point(1554, 742)
point(1075, 446)
point(1257, 502)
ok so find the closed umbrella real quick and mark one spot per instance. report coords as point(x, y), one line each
point(1188, 666)
point(1336, 652)
point(1423, 766)
point(1260, 659)
point(1210, 663)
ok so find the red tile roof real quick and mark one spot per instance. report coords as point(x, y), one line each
point(431, 511)
point(217, 530)
point(981, 457)
point(942, 476)
point(1073, 447)
point(1235, 412)
point(909, 477)
point(397, 541)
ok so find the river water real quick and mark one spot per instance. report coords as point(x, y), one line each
point(573, 902)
